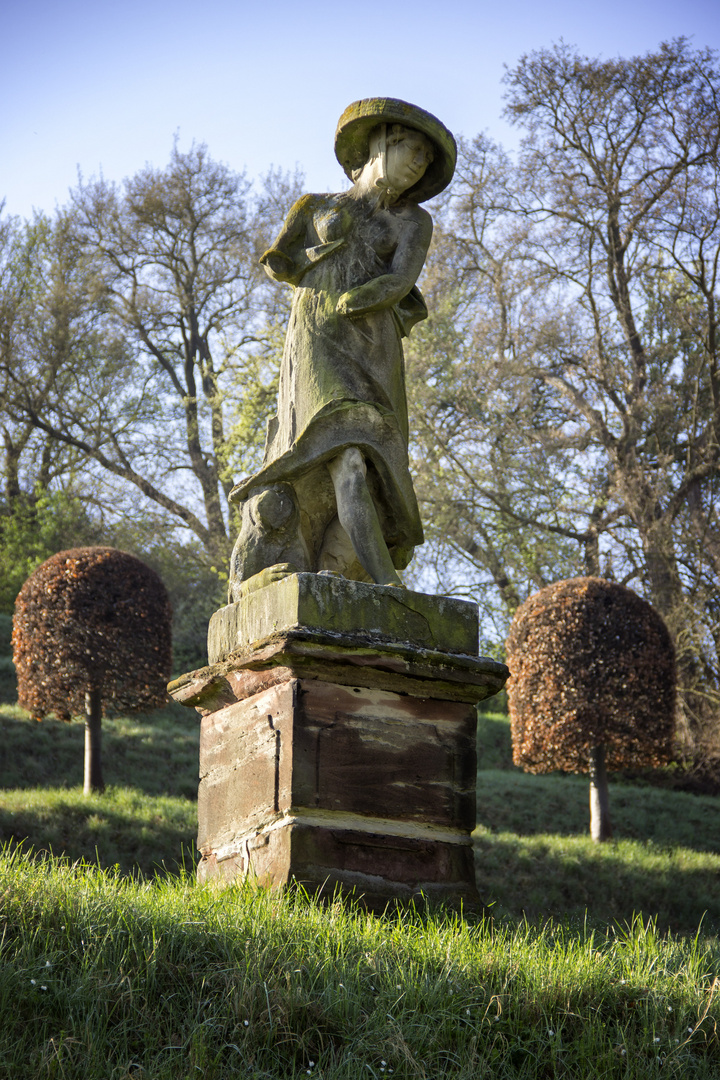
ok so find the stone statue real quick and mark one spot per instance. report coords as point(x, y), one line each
point(334, 493)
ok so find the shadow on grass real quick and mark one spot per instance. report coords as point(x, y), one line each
point(494, 743)
point(122, 828)
point(146, 819)
point(534, 856)
point(531, 805)
point(155, 752)
point(572, 878)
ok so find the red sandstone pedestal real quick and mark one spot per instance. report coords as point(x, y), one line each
point(340, 759)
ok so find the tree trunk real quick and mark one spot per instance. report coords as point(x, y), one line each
point(600, 827)
point(93, 742)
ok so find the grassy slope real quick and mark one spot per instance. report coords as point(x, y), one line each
point(106, 978)
point(146, 819)
point(158, 980)
point(533, 855)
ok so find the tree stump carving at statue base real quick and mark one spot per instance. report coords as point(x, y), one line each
point(338, 757)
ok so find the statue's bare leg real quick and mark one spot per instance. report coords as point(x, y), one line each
point(358, 516)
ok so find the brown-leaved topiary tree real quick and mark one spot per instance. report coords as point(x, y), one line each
point(592, 685)
point(92, 628)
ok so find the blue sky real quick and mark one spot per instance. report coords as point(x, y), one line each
point(103, 86)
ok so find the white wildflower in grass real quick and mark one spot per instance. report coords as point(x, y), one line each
point(669, 1008)
point(48, 964)
point(311, 1064)
point(467, 1012)
point(32, 982)
point(246, 1023)
point(43, 987)
point(656, 1039)
point(550, 1032)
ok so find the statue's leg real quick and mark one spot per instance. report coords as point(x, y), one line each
point(358, 516)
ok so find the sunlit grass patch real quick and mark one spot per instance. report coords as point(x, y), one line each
point(122, 827)
point(571, 877)
point(156, 752)
point(166, 979)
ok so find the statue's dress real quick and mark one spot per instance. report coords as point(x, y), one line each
point(342, 379)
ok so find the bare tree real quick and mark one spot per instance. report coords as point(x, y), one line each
point(620, 174)
point(503, 491)
point(571, 395)
point(156, 311)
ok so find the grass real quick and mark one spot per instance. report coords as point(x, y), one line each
point(157, 752)
point(534, 857)
point(148, 826)
point(589, 962)
point(110, 978)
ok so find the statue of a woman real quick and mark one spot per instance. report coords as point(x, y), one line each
point(334, 492)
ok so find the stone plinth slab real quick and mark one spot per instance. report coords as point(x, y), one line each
point(320, 602)
point(325, 783)
point(340, 759)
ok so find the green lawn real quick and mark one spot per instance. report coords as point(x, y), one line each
point(146, 819)
point(104, 977)
point(534, 857)
point(588, 962)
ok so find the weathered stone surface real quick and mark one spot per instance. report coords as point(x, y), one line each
point(323, 783)
point(245, 765)
point(341, 757)
point(350, 743)
point(347, 660)
point(320, 745)
point(323, 602)
point(375, 864)
point(334, 491)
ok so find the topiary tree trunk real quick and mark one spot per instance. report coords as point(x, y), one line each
point(592, 685)
point(87, 621)
point(93, 742)
point(600, 827)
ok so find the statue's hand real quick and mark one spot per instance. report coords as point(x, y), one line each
point(239, 590)
point(378, 294)
point(278, 265)
point(350, 303)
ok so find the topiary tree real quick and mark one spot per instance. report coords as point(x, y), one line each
point(592, 685)
point(92, 627)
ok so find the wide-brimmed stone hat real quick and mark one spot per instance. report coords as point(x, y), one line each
point(352, 140)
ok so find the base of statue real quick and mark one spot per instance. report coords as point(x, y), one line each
point(337, 744)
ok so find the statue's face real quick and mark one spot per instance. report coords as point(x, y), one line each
point(408, 155)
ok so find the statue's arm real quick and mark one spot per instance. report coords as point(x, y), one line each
point(285, 261)
point(388, 289)
point(293, 252)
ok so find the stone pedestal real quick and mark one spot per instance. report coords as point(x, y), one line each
point(337, 743)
